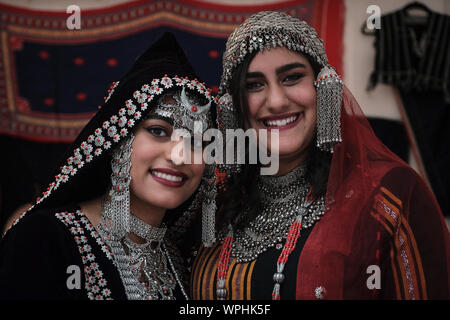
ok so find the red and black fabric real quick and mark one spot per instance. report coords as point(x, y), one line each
point(164, 58)
point(53, 79)
point(378, 212)
point(54, 234)
point(383, 235)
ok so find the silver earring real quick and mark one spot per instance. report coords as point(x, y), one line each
point(329, 98)
point(119, 205)
point(209, 207)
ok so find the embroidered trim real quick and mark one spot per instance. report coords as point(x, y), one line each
point(405, 262)
point(78, 225)
point(117, 127)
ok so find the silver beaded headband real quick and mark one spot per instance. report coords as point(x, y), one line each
point(269, 29)
point(184, 111)
point(118, 126)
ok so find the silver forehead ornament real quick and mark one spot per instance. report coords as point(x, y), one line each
point(184, 111)
point(270, 29)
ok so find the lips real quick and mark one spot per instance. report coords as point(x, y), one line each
point(282, 122)
point(169, 177)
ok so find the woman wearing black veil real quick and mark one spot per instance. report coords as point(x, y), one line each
point(107, 226)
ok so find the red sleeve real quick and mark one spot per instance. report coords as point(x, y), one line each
point(419, 256)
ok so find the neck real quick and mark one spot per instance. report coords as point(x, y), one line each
point(287, 165)
point(149, 214)
point(274, 185)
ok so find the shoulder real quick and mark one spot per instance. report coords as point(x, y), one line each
point(39, 233)
point(404, 173)
point(45, 231)
point(406, 197)
point(35, 254)
point(404, 185)
point(39, 224)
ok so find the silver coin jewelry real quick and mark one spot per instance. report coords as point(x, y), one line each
point(286, 209)
point(282, 200)
point(146, 269)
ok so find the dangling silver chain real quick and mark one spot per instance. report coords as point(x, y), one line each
point(146, 231)
point(146, 270)
point(282, 200)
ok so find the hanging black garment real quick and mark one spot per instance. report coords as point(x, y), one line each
point(432, 133)
point(392, 134)
point(415, 58)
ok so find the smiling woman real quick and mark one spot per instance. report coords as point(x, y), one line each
point(343, 218)
point(119, 202)
point(157, 183)
point(281, 95)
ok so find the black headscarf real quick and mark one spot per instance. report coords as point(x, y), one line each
point(84, 172)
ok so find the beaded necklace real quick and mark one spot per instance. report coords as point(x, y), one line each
point(147, 270)
point(302, 212)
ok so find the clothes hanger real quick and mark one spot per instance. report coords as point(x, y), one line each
point(410, 19)
point(366, 31)
point(417, 20)
point(417, 5)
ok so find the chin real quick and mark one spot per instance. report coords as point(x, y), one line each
point(288, 146)
point(173, 206)
point(169, 203)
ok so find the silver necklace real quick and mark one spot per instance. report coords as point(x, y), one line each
point(146, 270)
point(282, 200)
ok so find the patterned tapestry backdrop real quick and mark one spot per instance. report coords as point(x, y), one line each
point(53, 79)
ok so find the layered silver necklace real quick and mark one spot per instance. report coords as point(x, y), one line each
point(146, 270)
point(283, 198)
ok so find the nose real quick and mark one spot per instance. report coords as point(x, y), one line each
point(174, 152)
point(276, 99)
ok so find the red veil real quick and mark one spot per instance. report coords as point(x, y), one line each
point(383, 234)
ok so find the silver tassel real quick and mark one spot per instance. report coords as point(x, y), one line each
point(119, 206)
point(209, 207)
point(329, 98)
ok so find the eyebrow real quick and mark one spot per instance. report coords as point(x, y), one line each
point(289, 66)
point(279, 70)
point(154, 116)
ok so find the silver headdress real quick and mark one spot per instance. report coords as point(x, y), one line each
point(184, 111)
point(149, 260)
point(270, 29)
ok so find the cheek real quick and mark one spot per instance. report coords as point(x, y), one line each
point(141, 158)
point(254, 105)
point(304, 95)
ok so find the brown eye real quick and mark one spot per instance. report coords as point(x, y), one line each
point(292, 78)
point(253, 86)
point(157, 131)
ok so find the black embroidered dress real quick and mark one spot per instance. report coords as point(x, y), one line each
point(58, 254)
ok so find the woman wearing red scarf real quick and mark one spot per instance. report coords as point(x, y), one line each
point(344, 218)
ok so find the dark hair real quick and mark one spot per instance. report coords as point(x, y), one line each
point(241, 193)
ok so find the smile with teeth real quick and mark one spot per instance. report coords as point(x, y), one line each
point(167, 176)
point(280, 122)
